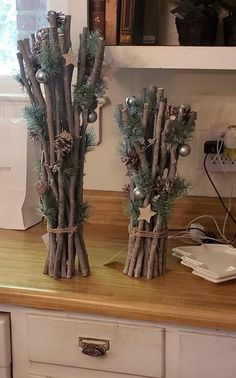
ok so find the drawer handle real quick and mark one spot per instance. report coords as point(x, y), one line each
point(94, 347)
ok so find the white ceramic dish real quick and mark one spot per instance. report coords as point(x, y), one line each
point(198, 273)
point(214, 262)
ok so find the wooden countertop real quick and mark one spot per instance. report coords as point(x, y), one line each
point(179, 297)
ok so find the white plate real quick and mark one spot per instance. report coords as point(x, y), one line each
point(196, 272)
point(214, 259)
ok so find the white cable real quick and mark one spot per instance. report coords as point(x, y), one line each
point(214, 220)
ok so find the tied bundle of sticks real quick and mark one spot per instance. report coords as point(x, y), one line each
point(58, 120)
point(154, 136)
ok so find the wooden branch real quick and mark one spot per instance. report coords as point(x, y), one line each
point(49, 115)
point(53, 36)
point(96, 71)
point(157, 136)
point(30, 71)
point(24, 79)
point(67, 86)
point(27, 47)
point(67, 32)
point(81, 64)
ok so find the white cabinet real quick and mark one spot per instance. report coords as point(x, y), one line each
point(46, 344)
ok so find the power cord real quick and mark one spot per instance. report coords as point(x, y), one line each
point(218, 194)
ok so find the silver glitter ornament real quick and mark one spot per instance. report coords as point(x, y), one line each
point(139, 194)
point(92, 117)
point(42, 76)
point(130, 101)
point(41, 33)
point(184, 150)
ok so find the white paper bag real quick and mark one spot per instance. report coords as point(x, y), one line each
point(19, 202)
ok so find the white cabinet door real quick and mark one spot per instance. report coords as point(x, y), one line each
point(207, 355)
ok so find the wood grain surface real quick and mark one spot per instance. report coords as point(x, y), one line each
point(178, 298)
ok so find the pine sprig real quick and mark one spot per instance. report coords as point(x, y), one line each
point(19, 80)
point(84, 95)
point(82, 213)
point(92, 43)
point(132, 209)
point(143, 179)
point(180, 132)
point(49, 207)
point(38, 169)
point(90, 138)
point(36, 120)
point(132, 129)
point(50, 59)
point(179, 188)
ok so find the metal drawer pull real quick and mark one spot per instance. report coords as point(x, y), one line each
point(94, 347)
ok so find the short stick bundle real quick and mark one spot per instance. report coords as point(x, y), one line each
point(58, 120)
point(155, 135)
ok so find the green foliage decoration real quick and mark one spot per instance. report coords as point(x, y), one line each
point(82, 213)
point(49, 207)
point(50, 59)
point(90, 138)
point(36, 120)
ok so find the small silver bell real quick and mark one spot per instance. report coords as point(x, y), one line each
point(184, 150)
point(130, 101)
point(92, 117)
point(42, 76)
point(41, 33)
point(139, 194)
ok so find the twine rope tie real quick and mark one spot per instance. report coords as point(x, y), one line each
point(133, 231)
point(65, 230)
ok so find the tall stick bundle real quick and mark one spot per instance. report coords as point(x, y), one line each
point(58, 120)
point(155, 135)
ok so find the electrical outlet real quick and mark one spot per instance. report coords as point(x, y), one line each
point(224, 164)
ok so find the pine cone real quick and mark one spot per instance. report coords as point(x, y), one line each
point(130, 159)
point(34, 135)
point(64, 143)
point(36, 48)
point(41, 187)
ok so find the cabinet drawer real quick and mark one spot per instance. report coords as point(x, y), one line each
point(133, 349)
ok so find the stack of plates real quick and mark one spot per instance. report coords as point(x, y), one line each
point(214, 262)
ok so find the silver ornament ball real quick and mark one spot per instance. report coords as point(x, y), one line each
point(42, 76)
point(184, 150)
point(130, 101)
point(41, 33)
point(139, 194)
point(92, 117)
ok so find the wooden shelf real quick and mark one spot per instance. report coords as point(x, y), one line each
point(172, 57)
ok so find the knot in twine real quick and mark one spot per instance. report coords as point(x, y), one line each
point(65, 230)
point(134, 231)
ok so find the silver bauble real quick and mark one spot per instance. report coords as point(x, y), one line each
point(41, 33)
point(184, 150)
point(139, 194)
point(42, 76)
point(130, 101)
point(92, 117)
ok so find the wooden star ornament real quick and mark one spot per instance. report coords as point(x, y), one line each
point(69, 58)
point(146, 213)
